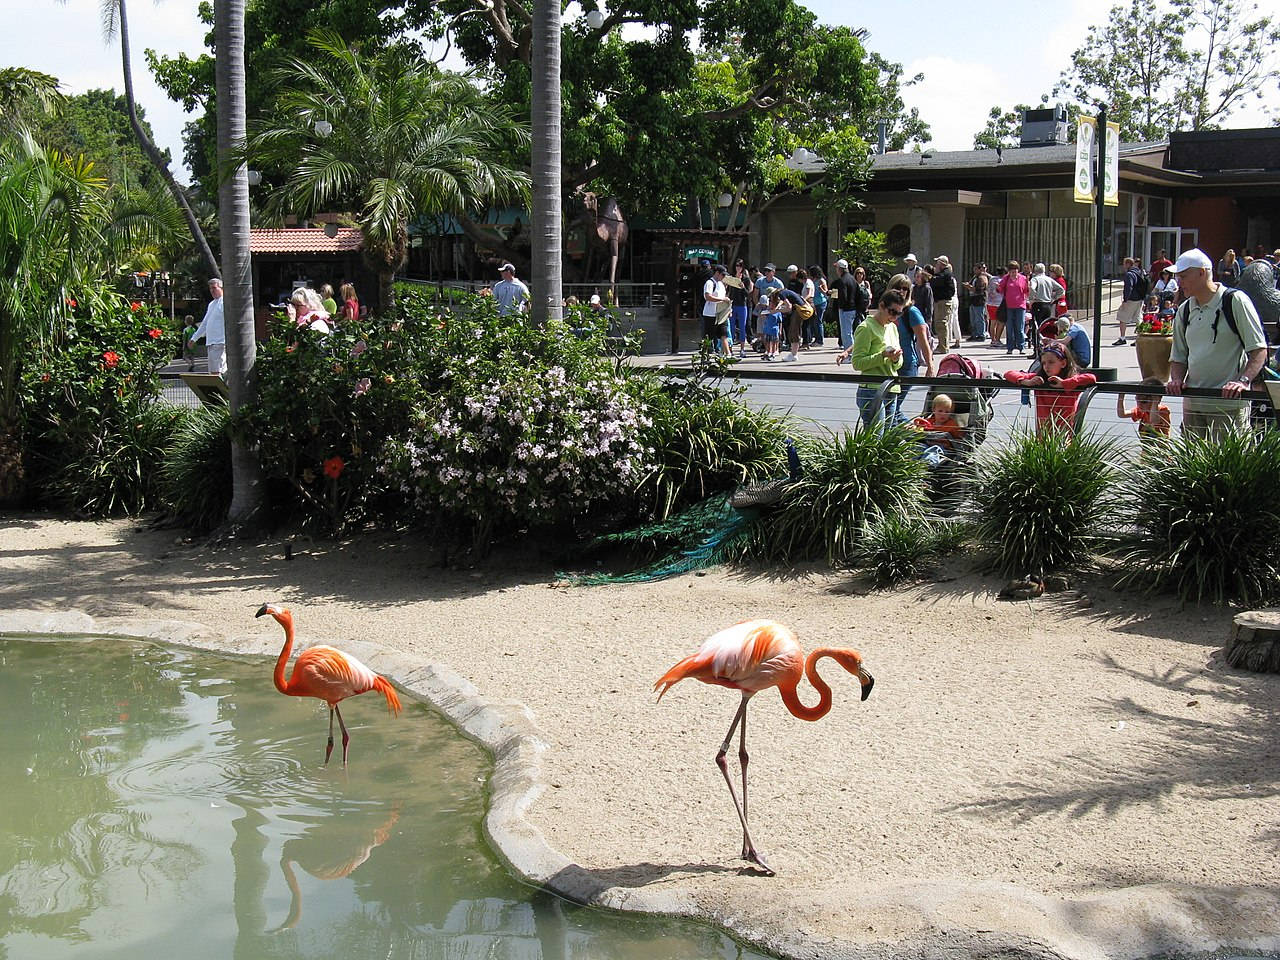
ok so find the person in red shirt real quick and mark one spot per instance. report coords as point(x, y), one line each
point(1160, 264)
point(1151, 416)
point(1054, 410)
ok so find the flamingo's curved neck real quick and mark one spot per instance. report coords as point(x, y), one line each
point(791, 695)
point(282, 685)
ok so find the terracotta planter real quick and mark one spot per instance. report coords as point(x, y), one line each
point(1153, 355)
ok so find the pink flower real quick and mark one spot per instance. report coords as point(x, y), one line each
point(362, 386)
point(359, 348)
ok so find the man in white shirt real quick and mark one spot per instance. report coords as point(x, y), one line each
point(512, 295)
point(1211, 351)
point(1043, 292)
point(715, 310)
point(213, 331)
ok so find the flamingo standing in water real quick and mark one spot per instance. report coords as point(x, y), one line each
point(327, 674)
point(749, 657)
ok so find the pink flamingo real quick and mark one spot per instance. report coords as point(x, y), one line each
point(749, 657)
point(327, 674)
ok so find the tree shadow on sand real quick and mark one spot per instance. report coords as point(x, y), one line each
point(1218, 760)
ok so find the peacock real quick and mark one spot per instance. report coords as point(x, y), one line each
point(704, 534)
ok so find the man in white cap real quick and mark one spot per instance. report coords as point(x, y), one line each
point(911, 266)
point(1218, 343)
point(512, 295)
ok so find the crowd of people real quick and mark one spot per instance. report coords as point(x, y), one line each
point(304, 306)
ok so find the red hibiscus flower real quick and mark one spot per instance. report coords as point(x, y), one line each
point(135, 306)
point(333, 467)
point(71, 303)
point(111, 359)
point(155, 333)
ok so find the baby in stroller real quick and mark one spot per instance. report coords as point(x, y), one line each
point(959, 414)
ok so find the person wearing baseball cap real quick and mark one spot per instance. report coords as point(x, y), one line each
point(715, 310)
point(768, 281)
point(512, 295)
point(1218, 343)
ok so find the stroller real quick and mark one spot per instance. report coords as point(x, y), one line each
point(971, 406)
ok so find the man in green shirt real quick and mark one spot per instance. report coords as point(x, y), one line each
point(875, 352)
point(1211, 351)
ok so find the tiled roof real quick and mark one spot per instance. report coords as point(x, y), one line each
point(310, 240)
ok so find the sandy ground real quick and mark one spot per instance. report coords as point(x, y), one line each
point(1079, 778)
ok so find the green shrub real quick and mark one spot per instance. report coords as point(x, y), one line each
point(325, 406)
point(94, 427)
point(705, 441)
point(897, 547)
point(1204, 518)
point(1042, 500)
point(195, 473)
point(849, 479)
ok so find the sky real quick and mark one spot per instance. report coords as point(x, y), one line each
point(964, 74)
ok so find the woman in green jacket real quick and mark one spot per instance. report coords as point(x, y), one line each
point(875, 352)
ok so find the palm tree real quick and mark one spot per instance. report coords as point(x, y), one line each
point(237, 277)
point(52, 218)
point(403, 138)
point(21, 89)
point(548, 259)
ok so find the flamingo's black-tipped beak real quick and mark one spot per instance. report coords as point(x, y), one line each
point(868, 681)
point(263, 610)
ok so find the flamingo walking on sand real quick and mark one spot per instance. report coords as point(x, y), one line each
point(326, 674)
point(750, 657)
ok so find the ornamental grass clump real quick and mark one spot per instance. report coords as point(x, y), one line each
point(705, 441)
point(195, 474)
point(896, 547)
point(1045, 500)
point(1204, 518)
point(848, 479)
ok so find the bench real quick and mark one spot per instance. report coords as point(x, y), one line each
point(210, 388)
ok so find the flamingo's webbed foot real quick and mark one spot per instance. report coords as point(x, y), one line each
point(751, 855)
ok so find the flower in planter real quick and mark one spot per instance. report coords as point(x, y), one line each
point(110, 359)
point(333, 467)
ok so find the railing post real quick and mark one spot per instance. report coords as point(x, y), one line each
point(1086, 397)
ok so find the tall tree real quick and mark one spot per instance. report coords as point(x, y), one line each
point(22, 89)
point(247, 490)
point(548, 256)
point(1186, 66)
point(401, 138)
point(1003, 129)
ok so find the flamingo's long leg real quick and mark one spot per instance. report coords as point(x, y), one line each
point(743, 759)
point(749, 849)
point(345, 736)
point(329, 748)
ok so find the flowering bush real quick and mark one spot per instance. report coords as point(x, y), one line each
point(324, 407)
point(529, 447)
point(93, 429)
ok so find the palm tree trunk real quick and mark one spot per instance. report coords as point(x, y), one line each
point(548, 248)
point(237, 281)
point(153, 153)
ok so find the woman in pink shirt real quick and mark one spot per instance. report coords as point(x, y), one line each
point(1014, 286)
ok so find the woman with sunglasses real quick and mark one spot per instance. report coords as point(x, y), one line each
point(875, 352)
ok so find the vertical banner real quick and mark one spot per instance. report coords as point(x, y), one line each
point(1111, 188)
point(1086, 130)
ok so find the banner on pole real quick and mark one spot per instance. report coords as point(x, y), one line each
point(1086, 131)
point(1111, 186)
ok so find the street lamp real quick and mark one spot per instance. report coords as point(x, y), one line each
point(323, 128)
point(255, 177)
point(595, 19)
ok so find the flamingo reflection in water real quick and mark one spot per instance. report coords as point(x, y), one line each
point(330, 852)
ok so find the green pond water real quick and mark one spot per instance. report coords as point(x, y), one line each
point(163, 803)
